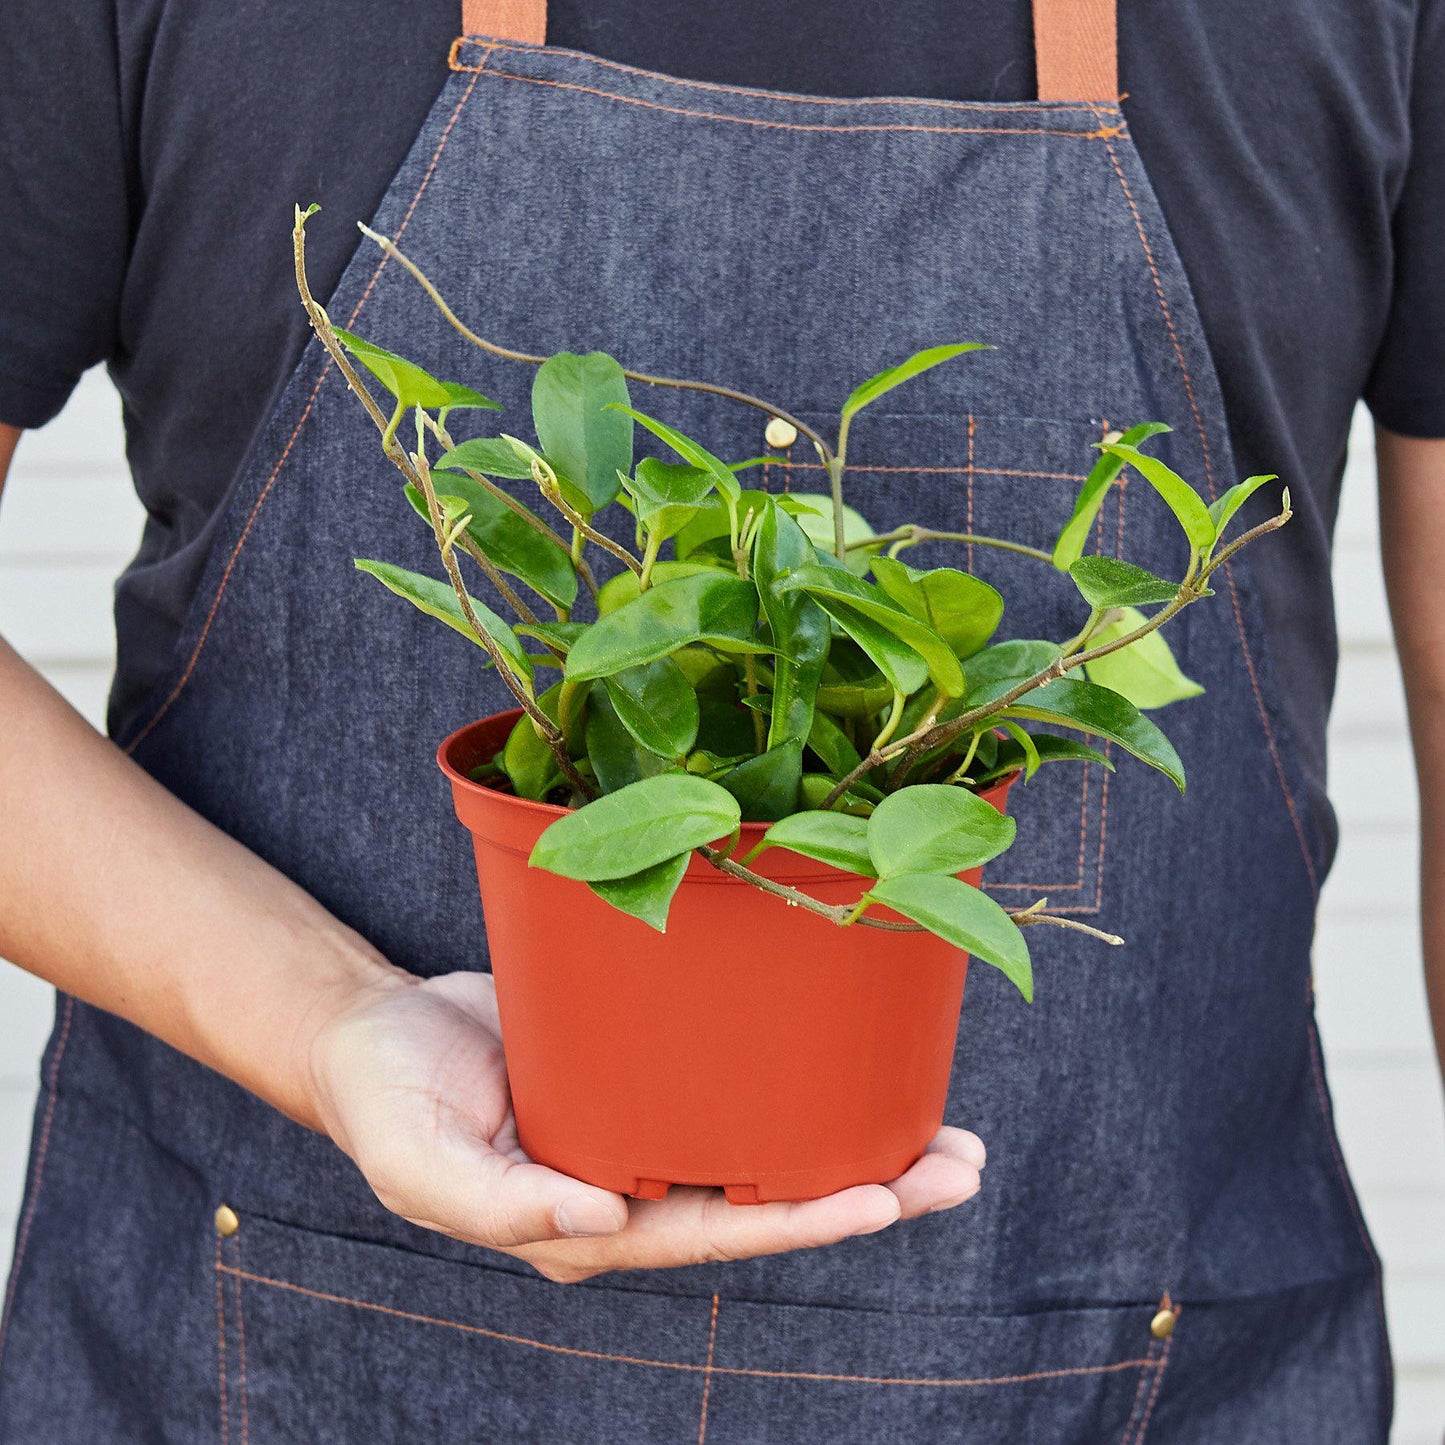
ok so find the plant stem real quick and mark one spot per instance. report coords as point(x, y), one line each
point(494, 576)
point(825, 453)
point(750, 681)
point(912, 535)
point(890, 726)
point(546, 480)
point(649, 557)
point(959, 772)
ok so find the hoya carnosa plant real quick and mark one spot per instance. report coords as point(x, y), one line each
point(761, 657)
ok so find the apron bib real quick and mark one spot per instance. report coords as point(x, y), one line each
point(1158, 1122)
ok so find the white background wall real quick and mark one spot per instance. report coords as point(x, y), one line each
point(69, 522)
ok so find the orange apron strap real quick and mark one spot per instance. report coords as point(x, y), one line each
point(1076, 43)
point(523, 20)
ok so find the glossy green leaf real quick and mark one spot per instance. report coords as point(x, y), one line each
point(801, 632)
point(657, 705)
point(961, 609)
point(646, 895)
point(526, 759)
point(710, 607)
point(558, 635)
point(666, 497)
point(463, 398)
point(1012, 661)
point(644, 824)
point(1073, 703)
point(491, 456)
point(817, 525)
point(1145, 672)
point(964, 917)
point(508, 541)
point(766, 786)
point(1025, 745)
point(625, 586)
point(831, 745)
point(919, 362)
point(840, 593)
point(438, 600)
point(579, 412)
point(936, 828)
point(693, 453)
point(404, 379)
point(1108, 582)
point(1222, 512)
point(834, 838)
point(816, 787)
point(1187, 505)
point(1102, 475)
point(616, 757)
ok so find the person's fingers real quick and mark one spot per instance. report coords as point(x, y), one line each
point(946, 1175)
point(699, 1226)
point(453, 1181)
point(961, 1144)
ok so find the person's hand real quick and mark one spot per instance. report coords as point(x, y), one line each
point(409, 1079)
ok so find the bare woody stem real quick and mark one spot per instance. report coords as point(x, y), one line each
point(415, 470)
point(546, 480)
point(825, 452)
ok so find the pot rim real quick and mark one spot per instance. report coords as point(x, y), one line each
point(553, 811)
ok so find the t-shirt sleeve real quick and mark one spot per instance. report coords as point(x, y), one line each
point(64, 216)
point(1406, 391)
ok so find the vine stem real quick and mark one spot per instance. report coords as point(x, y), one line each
point(548, 485)
point(415, 470)
point(825, 452)
point(912, 535)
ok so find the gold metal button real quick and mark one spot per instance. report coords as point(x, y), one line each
point(780, 433)
point(227, 1221)
point(1162, 1325)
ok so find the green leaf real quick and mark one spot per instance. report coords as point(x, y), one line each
point(962, 610)
point(1010, 756)
point(885, 381)
point(647, 894)
point(832, 586)
point(405, 380)
point(1007, 661)
point(693, 453)
point(1145, 672)
point(834, 838)
point(1186, 504)
point(657, 705)
point(615, 755)
point(438, 600)
point(832, 746)
point(507, 540)
point(935, 828)
point(623, 588)
point(644, 824)
point(1025, 744)
point(817, 525)
point(766, 786)
point(1090, 708)
point(526, 759)
point(1104, 473)
point(815, 787)
point(560, 635)
point(463, 398)
point(963, 916)
point(578, 406)
point(666, 496)
point(1222, 512)
point(710, 607)
point(800, 626)
point(491, 456)
point(1108, 582)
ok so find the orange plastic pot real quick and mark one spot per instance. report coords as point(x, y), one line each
point(754, 1046)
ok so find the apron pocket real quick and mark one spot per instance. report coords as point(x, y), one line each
point(330, 1339)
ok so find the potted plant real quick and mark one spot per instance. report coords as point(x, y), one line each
point(756, 766)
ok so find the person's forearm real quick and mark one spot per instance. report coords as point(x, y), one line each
point(118, 893)
point(1412, 533)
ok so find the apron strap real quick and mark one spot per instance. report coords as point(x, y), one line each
point(1076, 41)
point(1076, 44)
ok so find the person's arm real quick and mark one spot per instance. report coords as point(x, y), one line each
point(118, 893)
point(1412, 539)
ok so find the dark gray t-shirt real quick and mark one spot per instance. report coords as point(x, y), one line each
point(151, 150)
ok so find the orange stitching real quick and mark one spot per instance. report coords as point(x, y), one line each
point(241, 1351)
point(1157, 1386)
point(968, 515)
point(221, 1346)
point(1228, 569)
point(683, 1366)
point(1135, 1408)
point(951, 471)
point(453, 60)
point(707, 1376)
point(241, 541)
point(1103, 133)
point(23, 1238)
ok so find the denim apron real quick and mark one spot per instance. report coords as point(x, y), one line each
point(1166, 1246)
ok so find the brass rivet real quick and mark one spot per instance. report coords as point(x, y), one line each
point(227, 1221)
point(780, 433)
point(1162, 1325)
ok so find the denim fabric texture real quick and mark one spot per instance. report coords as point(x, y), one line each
point(1157, 1120)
